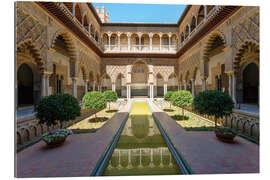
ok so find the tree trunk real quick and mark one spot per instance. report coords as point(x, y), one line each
point(183, 114)
point(215, 122)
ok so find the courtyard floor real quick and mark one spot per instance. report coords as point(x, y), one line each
point(81, 152)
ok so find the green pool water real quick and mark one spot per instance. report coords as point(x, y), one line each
point(141, 149)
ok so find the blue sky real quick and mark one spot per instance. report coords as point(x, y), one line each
point(156, 13)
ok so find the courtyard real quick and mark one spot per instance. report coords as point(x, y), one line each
point(98, 97)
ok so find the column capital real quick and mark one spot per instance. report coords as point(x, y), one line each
point(151, 35)
point(203, 77)
point(113, 83)
point(109, 34)
point(75, 61)
point(204, 60)
point(86, 80)
point(140, 34)
point(74, 78)
point(46, 73)
point(160, 34)
point(230, 73)
point(170, 34)
point(129, 34)
point(119, 34)
point(51, 50)
point(227, 48)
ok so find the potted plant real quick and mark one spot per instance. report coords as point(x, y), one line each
point(94, 100)
point(110, 96)
point(218, 104)
point(181, 99)
point(56, 109)
point(167, 97)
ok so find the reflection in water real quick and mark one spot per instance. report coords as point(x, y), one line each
point(141, 149)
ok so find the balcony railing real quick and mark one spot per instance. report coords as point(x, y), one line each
point(199, 26)
point(79, 24)
point(139, 48)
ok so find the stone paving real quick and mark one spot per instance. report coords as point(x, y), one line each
point(76, 157)
point(207, 155)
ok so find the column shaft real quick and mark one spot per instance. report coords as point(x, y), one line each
point(74, 87)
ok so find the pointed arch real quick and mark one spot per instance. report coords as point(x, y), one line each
point(247, 50)
point(215, 40)
point(28, 45)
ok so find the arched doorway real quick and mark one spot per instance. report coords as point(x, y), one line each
point(119, 86)
point(251, 83)
point(172, 83)
point(106, 83)
point(25, 80)
point(160, 85)
point(139, 79)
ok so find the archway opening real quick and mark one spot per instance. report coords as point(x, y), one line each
point(172, 83)
point(160, 85)
point(106, 83)
point(251, 84)
point(119, 86)
point(139, 79)
point(25, 78)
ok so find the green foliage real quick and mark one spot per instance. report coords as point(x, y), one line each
point(213, 103)
point(57, 107)
point(182, 98)
point(110, 96)
point(94, 100)
point(168, 95)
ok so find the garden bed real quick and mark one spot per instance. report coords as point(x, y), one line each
point(92, 124)
point(189, 122)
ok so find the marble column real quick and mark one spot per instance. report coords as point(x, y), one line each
point(128, 42)
point(204, 87)
point(43, 85)
point(109, 41)
point(74, 87)
point(165, 88)
point(185, 85)
point(119, 42)
point(140, 42)
point(48, 85)
point(113, 86)
point(234, 87)
point(170, 41)
point(86, 86)
point(160, 42)
point(230, 84)
point(193, 87)
point(94, 86)
point(151, 41)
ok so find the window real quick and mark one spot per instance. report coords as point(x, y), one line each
point(137, 40)
point(166, 41)
point(112, 40)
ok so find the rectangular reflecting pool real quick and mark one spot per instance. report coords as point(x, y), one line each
point(141, 149)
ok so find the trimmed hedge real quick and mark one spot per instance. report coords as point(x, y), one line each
point(57, 108)
point(182, 98)
point(94, 100)
point(110, 96)
point(213, 103)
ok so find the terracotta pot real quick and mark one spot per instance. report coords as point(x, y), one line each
point(225, 137)
point(56, 142)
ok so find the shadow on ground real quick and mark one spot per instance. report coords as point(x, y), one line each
point(111, 111)
point(168, 110)
point(98, 119)
point(180, 117)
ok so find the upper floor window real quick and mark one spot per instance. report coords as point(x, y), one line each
point(166, 41)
